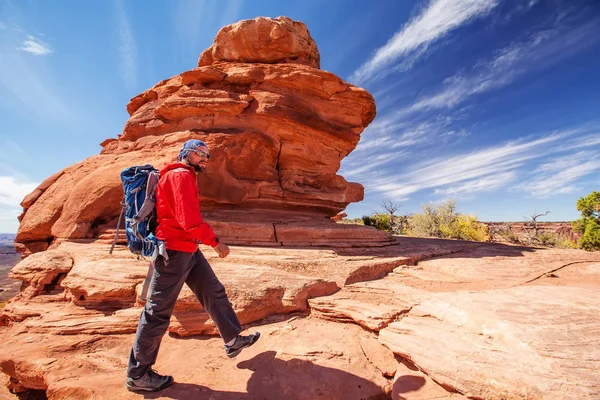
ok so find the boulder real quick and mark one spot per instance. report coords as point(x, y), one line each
point(263, 40)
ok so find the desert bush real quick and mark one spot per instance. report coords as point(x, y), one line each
point(589, 223)
point(548, 239)
point(590, 240)
point(466, 227)
point(551, 239)
point(351, 221)
point(379, 221)
point(507, 234)
point(565, 243)
point(441, 220)
point(400, 225)
point(368, 220)
point(433, 221)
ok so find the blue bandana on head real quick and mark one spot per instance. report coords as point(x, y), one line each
point(188, 147)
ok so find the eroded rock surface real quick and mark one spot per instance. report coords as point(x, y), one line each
point(422, 319)
point(520, 343)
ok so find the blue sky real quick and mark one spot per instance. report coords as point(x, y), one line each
point(494, 103)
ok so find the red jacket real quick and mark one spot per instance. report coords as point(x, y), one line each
point(180, 224)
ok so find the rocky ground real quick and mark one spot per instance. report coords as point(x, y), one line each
point(422, 319)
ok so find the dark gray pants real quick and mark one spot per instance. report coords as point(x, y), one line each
point(167, 281)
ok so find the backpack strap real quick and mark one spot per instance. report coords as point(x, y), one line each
point(150, 200)
point(118, 224)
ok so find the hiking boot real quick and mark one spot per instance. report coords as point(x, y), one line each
point(151, 381)
point(241, 342)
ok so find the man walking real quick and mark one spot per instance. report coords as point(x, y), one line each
point(181, 228)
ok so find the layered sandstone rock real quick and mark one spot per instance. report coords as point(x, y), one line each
point(277, 127)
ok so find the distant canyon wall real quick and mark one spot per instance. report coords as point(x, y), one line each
point(522, 229)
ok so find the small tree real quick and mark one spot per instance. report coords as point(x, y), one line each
point(533, 234)
point(589, 223)
point(391, 208)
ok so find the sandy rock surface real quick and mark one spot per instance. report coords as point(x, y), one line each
point(422, 319)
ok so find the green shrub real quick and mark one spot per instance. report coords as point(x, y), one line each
point(422, 225)
point(442, 220)
point(589, 223)
point(547, 239)
point(368, 220)
point(590, 240)
point(466, 227)
point(579, 226)
point(551, 239)
point(379, 221)
point(565, 243)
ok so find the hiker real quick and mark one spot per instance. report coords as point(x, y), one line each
point(181, 228)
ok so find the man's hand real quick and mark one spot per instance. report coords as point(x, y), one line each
point(222, 249)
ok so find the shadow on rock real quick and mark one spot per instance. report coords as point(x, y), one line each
point(297, 379)
point(275, 379)
point(189, 391)
point(407, 384)
point(418, 247)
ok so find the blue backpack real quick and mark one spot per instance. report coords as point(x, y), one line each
point(139, 188)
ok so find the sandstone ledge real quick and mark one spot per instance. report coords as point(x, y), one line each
point(477, 306)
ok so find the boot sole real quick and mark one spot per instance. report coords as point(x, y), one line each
point(143, 389)
point(238, 351)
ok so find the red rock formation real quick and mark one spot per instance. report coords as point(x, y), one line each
point(277, 127)
point(289, 41)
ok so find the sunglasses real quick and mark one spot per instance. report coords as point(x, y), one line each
point(202, 153)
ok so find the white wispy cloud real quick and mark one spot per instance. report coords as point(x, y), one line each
point(585, 141)
point(27, 84)
point(13, 190)
point(483, 164)
point(560, 175)
point(3, 26)
point(484, 184)
point(436, 20)
point(538, 51)
point(35, 46)
point(127, 46)
point(390, 139)
point(364, 167)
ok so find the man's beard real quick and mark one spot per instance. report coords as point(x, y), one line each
point(198, 168)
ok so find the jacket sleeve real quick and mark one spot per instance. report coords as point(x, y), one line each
point(187, 210)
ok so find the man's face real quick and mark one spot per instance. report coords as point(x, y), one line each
point(198, 158)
